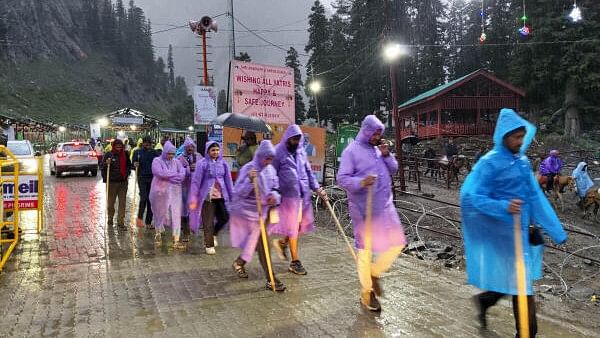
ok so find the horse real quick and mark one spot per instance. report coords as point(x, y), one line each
point(591, 198)
point(560, 183)
point(453, 167)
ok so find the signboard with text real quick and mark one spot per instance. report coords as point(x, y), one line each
point(205, 104)
point(262, 91)
point(28, 192)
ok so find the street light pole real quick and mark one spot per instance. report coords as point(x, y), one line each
point(317, 108)
point(397, 127)
point(392, 53)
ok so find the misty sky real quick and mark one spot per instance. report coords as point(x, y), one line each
point(286, 20)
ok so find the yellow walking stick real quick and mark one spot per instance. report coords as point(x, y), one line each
point(521, 283)
point(337, 222)
point(263, 232)
point(368, 217)
point(107, 184)
point(132, 212)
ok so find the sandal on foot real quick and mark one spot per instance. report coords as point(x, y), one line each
point(239, 270)
point(279, 287)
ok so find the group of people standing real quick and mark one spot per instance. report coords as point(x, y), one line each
point(196, 190)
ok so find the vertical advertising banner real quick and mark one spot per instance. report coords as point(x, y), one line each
point(95, 130)
point(262, 91)
point(205, 104)
point(346, 134)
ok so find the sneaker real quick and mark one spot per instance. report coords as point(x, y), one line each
point(210, 251)
point(376, 286)
point(157, 237)
point(297, 268)
point(281, 249)
point(215, 241)
point(150, 226)
point(139, 223)
point(370, 302)
point(481, 317)
point(279, 287)
point(178, 245)
point(185, 238)
point(122, 227)
point(239, 270)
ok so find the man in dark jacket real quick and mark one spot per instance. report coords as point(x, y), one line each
point(142, 160)
point(118, 162)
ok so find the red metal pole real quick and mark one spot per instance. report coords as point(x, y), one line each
point(398, 127)
point(204, 61)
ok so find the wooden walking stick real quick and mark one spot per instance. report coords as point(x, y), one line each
point(132, 212)
point(337, 222)
point(521, 282)
point(107, 186)
point(263, 232)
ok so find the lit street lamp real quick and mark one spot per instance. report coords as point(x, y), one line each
point(392, 53)
point(191, 128)
point(315, 87)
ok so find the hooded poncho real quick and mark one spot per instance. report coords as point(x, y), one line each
point(208, 171)
point(244, 226)
point(582, 179)
point(165, 190)
point(359, 160)
point(551, 165)
point(488, 230)
point(296, 180)
point(186, 160)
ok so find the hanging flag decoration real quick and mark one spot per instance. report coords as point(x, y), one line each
point(575, 14)
point(525, 30)
point(483, 36)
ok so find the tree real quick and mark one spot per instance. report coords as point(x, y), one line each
point(171, 66)
point(561, 77)
point(318, 47)
point(243, 57)
point(429, 71)
point(291, 60)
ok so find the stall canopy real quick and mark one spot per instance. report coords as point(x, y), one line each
point(128, 119)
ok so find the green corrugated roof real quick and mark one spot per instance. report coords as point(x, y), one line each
point(434, 91)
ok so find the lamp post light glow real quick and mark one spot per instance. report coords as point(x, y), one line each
point(62, 129)
point(191, 128)
point(315, 87)
point(393, 51)
point(575, 14)
point(103, 122)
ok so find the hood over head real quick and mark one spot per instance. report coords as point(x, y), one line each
point(553, 152)
point(291, 131)
point(264, 150)
point(139, 142)
point(167, 148)
point(207, 145)
point(368, 127)
point(508, 121)
point(189, 142)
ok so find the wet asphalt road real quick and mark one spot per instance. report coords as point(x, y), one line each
point(81, 279)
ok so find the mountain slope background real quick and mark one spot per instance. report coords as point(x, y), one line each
point(70, 61)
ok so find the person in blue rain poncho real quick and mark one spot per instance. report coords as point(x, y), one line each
point(502, 185)
point(583, 181)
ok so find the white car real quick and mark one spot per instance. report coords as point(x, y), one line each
point(73, 156)
point(23, 151)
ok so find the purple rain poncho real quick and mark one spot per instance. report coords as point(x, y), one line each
point(243, 223)
point(488, 228)
point(551, 165)
point(186, 160)
point(359, 160)
point(165, 190)
point(208, 171)
point(296, 180)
